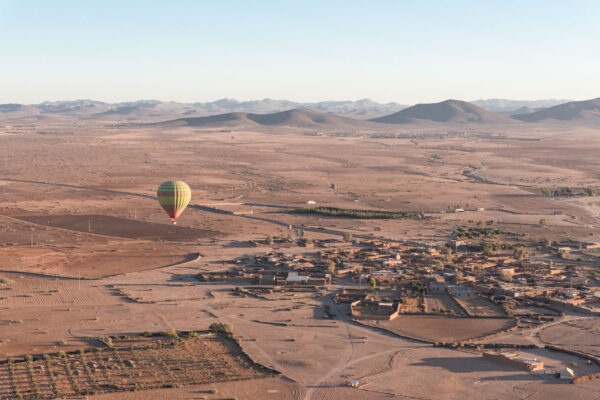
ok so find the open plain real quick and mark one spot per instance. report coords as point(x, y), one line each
point(86, 251)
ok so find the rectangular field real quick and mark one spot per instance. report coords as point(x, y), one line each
point(481, 307)
point(438, 328)
point(441, 303)
point(127, 364)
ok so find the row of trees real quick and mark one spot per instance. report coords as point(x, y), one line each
point(568, 192)
point(471, 233)
point(352, 213)
point(490, 248)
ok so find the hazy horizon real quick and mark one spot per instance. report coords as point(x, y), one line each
point(406, 52)
point(290, 100)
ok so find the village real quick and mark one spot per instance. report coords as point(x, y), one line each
point(450, 277)
point(383, 281)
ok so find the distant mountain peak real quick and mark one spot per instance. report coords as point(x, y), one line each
point(584, 112)
point(447, 111)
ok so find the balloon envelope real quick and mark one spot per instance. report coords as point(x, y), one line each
point(174, 196)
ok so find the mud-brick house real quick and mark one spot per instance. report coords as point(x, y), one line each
point(461, 292)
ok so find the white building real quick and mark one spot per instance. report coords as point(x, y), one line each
point(294, 277)
point(566, 373)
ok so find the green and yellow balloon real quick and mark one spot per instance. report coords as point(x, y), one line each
point(174, 196)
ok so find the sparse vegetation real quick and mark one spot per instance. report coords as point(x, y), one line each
point(489, 248)
point(353, 213)
point(221, 327)
point(562, 192)
point(133, 363)
point(330, 266)
point(508, 310)
point(472, 233)
point(520, 253)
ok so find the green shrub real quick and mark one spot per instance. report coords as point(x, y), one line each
point(221, 327)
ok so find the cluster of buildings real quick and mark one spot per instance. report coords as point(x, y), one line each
point(272, 269)
point(411, 269)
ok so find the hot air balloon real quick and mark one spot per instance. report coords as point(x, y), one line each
point(174, 196)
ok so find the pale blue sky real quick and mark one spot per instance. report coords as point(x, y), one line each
point(403, 51)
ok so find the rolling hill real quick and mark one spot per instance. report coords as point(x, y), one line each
point(449, 111)
point(300, 118)
point(582, 112)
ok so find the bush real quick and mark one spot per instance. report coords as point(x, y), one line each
point(520, 253)
point(508, 310)
point(171, 333)
point(330, 266)
point(221, 327)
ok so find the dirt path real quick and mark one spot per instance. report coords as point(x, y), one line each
point(316, 386)
point(534, 334)
point(214, 210)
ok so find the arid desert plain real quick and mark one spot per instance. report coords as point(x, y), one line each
point(260, 292)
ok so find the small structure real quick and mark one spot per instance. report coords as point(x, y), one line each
point(457, 243)
point(514, 360)
point(353, 384)
point(462, 292)
point(566, 373)
point(577, 279)
point(374, 310)
point(437, 286)
point(294, 277)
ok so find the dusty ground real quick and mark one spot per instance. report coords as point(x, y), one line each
point(77, 203)
point(581, 334)
point(437, 328)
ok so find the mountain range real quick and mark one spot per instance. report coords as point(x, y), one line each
point(342, 114)
point(363, 108)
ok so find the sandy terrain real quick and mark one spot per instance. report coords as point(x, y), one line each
point(581, 334)
point(77, 201)
point(444, 329)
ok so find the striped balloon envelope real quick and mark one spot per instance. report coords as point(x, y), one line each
point(174, 196)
